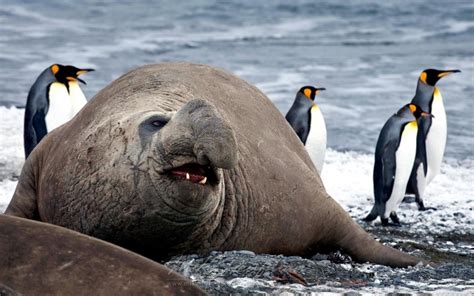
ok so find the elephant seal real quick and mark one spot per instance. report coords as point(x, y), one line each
point(43, 259)
point(180, 158)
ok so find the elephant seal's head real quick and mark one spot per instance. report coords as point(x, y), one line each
point(183, 155)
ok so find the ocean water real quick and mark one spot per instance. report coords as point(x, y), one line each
point(368, 55)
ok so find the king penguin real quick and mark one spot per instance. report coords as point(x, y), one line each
point(54, 98)
point(432, 135)
point(307, 121)
point(394, 157)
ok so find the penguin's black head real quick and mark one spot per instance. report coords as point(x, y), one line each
point(431, 76)
point(67, 73)
point(310, 91)
point(418, 112)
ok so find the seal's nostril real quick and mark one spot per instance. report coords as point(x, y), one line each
point(202, 158)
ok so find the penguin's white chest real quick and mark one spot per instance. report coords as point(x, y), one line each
point(317, 138)
point(436, 138)
point(78, 100)
point(63, 105)
point(404, 158)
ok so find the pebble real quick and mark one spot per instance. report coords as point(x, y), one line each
point(319, 257)
point(324, 262)
point(352, 293)
point(245, 252)
point(346, 266)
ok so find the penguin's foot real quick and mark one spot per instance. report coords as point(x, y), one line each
point(423, 208)
point(409, 199)
point(421, 205)
point(385, 223)
point(368, 219)
point(395, 219)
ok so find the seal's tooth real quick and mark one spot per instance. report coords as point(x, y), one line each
point(203, 181)
point(187, 176)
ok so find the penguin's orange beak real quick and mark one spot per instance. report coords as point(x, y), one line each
point(80, 72)
point(319, 89)
point(448, 72)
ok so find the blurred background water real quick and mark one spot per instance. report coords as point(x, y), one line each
point(368, 54)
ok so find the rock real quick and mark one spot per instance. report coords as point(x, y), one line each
point(319, 257)
point(245, 253)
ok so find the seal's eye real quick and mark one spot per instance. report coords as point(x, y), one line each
point(155, 123)
point(159, 123)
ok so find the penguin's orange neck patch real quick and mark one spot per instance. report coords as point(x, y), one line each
point(55, 69)
point(307, 93)
point(423, 77)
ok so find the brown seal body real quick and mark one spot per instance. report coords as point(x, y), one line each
point(43, 259)
point(128, 169)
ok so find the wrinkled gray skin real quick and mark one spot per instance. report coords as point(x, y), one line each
point(105, 172)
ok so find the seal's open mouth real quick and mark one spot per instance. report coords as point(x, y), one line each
point(195, 173)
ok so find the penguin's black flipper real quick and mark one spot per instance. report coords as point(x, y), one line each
point(39, 124)
point(34, 132)
point(425, 125)
point(303, 134)
point(29, 139)
point(389, 166)
point(421, 144)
